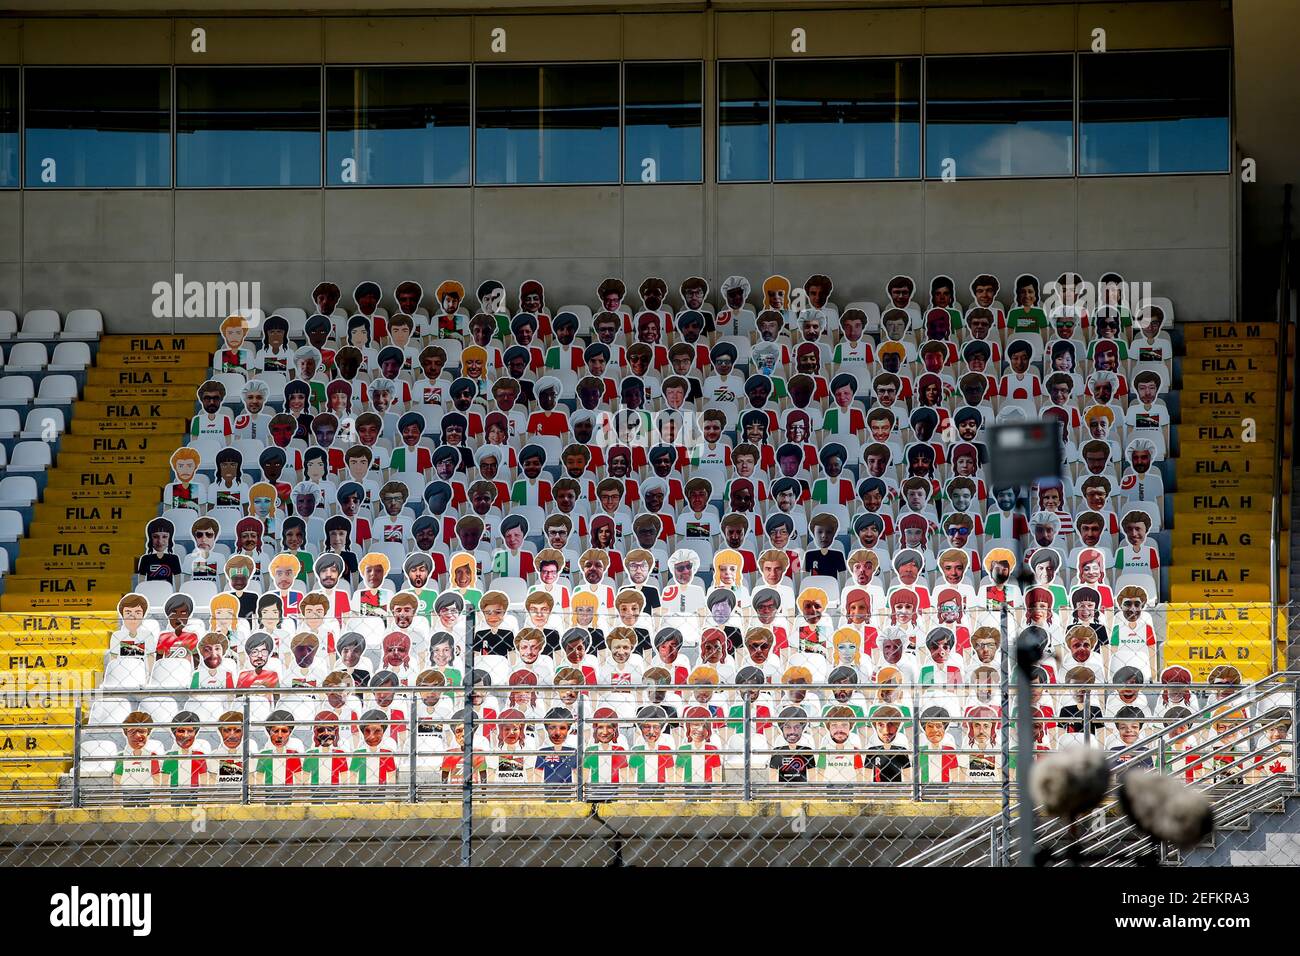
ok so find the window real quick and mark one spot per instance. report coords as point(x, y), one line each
point(97, 127)
point(999, 115)
point(663, 116)
point(397, 126)
point(744, 121)
point(8, 128)
point(1155, 112)
point(547, 124)
point(848, 119)
point(239, 126)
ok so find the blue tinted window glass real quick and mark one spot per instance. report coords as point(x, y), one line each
point(97, 127)
point(1154, 112)
point(248, 127)
point(397, 126)
point(547, 124)
point(662, 118)
point(744, 121)
point(8, 128)
point(1000, 115)
point(848, 119)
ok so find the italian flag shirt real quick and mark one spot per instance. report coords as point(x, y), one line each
point(184, 768)
point(374, 766)
point(280, 771)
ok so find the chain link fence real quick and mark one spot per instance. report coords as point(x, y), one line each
point(687, 751)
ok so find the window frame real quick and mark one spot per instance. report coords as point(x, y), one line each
point(622, 122)
point(320, 134)
point(469, 183)
point(474, 183)
point(771, 120)
point(23, 72)
point(1074, 114)
point(1231, 117)
point(917, 58)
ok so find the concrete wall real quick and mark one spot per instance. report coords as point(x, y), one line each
point(73, 248)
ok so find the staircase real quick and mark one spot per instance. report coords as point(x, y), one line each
point(1268, 835)
point(1219, 584)
point(1253, 813)
point(59, 606)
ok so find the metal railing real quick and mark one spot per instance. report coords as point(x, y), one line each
point(1259, 721)
point(1285, 322)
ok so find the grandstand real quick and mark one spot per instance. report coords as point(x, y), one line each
point(389, 395)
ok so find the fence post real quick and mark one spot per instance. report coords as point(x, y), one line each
point(76, 756)
point(243, 795)
point(749, 743)
point(1004, 850)
point(1295, 734)
point(467, 767)
point(916, 742)
point(411, 732)
point(1087, 718)
point(579, 761)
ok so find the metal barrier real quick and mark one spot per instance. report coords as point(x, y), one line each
point(1240, 748)
point(287, 773)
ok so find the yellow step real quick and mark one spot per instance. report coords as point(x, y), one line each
point(1258, 522)
point(21, 603)
point(49, 681)
point(88, 640)
point(51, 659)
point(1215, 574)
point(1214, 502)
point(35, 777)
point(88, 564)
point(161, 344)
point(1229, 593)
point(70, 584)
point(68, 495)
point(1205, 463)
point(1241, 379)
point(136, 410)
point(1228, 407)
point(35, 743)
point(1227, 484)
point(59, 623)
point(91, 513)
point(98, 445)
point(167, 430)
point(119, 547)
point(1190, 536)
point(22, 716)
point(108, 371)
point(1206, 365)
point(78, 475)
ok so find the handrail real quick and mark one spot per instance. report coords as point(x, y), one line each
point(1279, 427)
point(979, 834)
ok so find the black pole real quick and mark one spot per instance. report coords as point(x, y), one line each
point(467, 768)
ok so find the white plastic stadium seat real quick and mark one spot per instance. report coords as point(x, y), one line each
point(57, 390)
point(157, 592)
point(8, 325)
point(11, 525)
point(70, 357)
point(125, 672)
point(17, 491)
point(84, 325)
point(109, 711)
point(171, 672)
point(16, 390)
point(27, 357)
point(30, 457)
point(10, 424)
point(40, 324)
point(98, 757)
